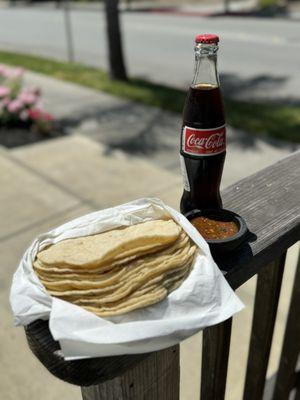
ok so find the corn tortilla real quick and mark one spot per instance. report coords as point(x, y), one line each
point(109, 246)
point(119, 271)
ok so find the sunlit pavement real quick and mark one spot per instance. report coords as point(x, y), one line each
point(259, 57)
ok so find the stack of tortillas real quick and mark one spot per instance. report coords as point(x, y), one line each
point(118, 271)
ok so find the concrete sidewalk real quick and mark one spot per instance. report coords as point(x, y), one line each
point(49, 183)
point(147, 132)
point(192, 8)
point(204, 8)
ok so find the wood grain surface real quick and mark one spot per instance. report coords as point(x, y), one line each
point(268, 287)
point(286, 377)
point(78, 372)
point(269, 201)
point(215, 353)
point(155, 378)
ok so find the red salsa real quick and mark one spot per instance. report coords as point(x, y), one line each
point(212, 229)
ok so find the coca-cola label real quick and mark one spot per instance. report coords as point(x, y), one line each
point(203, 142)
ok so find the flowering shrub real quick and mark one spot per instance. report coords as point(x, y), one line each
point(20, 107)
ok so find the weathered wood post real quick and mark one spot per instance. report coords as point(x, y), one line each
point(267, 294)
point(215, 353)
point(155, 378)
point(287, 376)
point(114, 41)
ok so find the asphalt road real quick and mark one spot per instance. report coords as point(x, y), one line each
point(258, 57)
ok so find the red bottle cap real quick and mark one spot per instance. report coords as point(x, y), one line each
point(207, 38)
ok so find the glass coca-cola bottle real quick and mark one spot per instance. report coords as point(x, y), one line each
point(203, 136)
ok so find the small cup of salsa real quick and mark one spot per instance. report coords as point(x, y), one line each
point(223, 229)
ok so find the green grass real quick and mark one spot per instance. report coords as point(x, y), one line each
point(264, 119)
point(268, 3)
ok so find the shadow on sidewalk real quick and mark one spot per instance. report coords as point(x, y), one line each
point(138, 129)
point(281, 11)
point(270, 12)
point(258, 89)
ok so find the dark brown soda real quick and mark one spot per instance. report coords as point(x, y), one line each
point(203, 110)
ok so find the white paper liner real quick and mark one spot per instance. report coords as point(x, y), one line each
point(203, 299)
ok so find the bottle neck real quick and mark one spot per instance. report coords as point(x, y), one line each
point(206, 73)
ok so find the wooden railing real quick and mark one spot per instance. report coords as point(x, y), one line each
point(269, 201)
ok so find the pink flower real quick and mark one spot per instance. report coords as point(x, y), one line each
point(4, 91)
point(15, 105)
point(34, 114)
point(28, 97)
point(39, 115)
point(13, 73)
point(47, 117)
point(6, 101)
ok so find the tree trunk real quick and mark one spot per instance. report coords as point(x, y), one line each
point(115, 52)
point(69, 31)
point(226, 6)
